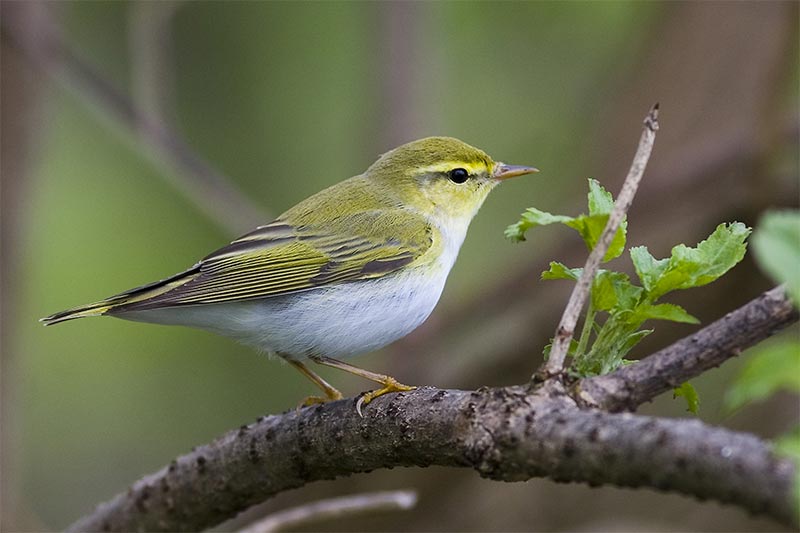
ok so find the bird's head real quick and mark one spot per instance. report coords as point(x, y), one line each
point(441, 176)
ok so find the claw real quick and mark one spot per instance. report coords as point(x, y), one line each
point(359, 403)
point(389, 385)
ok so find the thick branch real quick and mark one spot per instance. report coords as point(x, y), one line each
point(632, 385)
point(566, 327)
point(505, 434)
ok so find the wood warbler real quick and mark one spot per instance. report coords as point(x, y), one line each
point(346, 271)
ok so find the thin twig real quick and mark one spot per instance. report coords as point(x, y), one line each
point(190, 174)
point(395, 500)
point(566, 328)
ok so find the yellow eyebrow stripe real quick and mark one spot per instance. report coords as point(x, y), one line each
point(447, 166)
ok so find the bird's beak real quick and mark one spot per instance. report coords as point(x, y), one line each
point(503, 171)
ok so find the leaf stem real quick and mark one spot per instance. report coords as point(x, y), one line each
point(586, 331)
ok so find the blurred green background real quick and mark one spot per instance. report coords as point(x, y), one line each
point(287, 98)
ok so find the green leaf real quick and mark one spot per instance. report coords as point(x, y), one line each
point(601, 203)
point(647, 267)
point(630, 341)
point(628, 294)
point(687, 391)
point(776, 243)
point(617, 245)
point(693, 267)
point(609, 289)
point(600, 200)
point(603, 295)
point(532, 218)
point(589, 227)
point(672, 312)
point(774, 366)
point(561, 271)
point(614, 291)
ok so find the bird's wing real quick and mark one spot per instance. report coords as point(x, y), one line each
point(280, 259)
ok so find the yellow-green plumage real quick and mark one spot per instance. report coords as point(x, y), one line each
point(349, 269)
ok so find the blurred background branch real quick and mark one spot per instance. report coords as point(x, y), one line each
point(46, 47)
point(151, 57)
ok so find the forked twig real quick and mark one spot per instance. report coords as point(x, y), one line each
point(566, 328)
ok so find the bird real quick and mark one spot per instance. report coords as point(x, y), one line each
point(346, 271)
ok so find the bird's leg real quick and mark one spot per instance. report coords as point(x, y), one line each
point(389, 383)
point(331, 393)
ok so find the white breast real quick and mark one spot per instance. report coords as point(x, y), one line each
point(337, 321)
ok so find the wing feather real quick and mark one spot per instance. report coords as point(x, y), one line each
point(281, 259)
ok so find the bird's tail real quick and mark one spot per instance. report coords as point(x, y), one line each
point(95, 309)
point(118, 301)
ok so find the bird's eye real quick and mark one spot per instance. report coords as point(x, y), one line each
point(458, 175)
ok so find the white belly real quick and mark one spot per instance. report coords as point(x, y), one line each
point(336, 321)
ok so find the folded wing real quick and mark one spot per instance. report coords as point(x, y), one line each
point(281, 259)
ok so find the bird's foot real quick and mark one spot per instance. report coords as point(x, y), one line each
point(389, 385)
point(330, 396)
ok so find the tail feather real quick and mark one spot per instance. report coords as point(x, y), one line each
point(117, 301)
point(95, 309)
